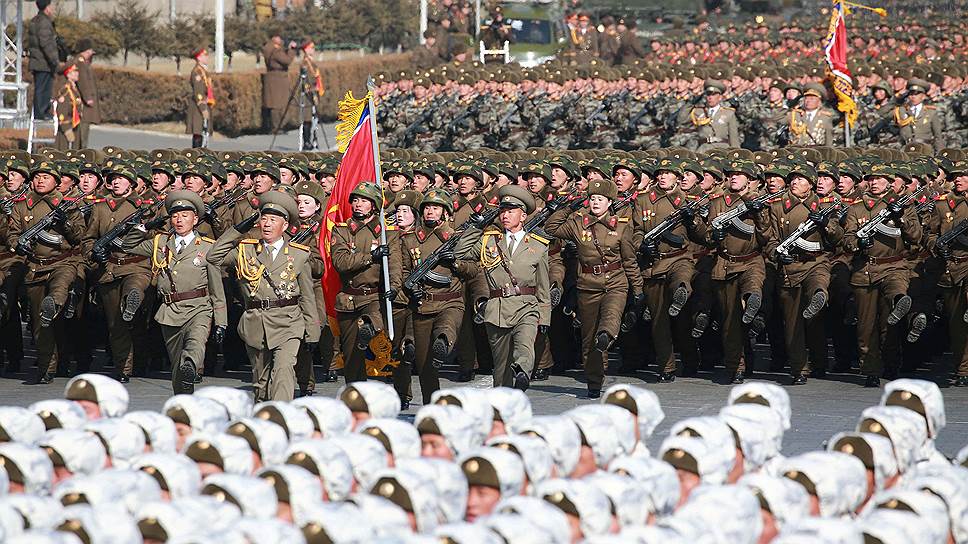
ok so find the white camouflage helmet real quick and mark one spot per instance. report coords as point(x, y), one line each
point(109, 394)
point(216, 515)
point(269, 531)
point(18, 424)
point(838, 480)
point(534, 452)
point(255, 497)
point(766, 394)
point(45, 536)
point(515, 528)
point(623, 425)
point(164, 521)
point(330, 463)
point(785, 499)
point(562, 436)
point(759, 430)
point(293, 485)
point(122, 439)
point(339, 522)
point(907, 431)
point(467, 533)
point(59, 413)
point(630, 501)
point(174, 472)
point(951, 484)
point(961, 458)
point(641, 402)
point(81, 452)
point(114, 486)
point(729, 511)
point(230, 453)
point(512, 406)
point(896, 527)
point(921, 396)
point(330, 417)
point(4, 481)
point(710, 428)
point(393, 519)
point(293, 419)
point(452, 423)
point(475, 404)
point(399, 438)
point(365, 453)
point(11, 522)
point(201, 414)
point(29, 466)
point(931, 508)
point(541, 513)
point(656, 534)
point(412, 492)
point(494, 467)
point(874, 450)
point(375, 398)
point(820, 530)
point(657, 478)
point(599, 433)
point(582, 499)
point(37, 512)
point(450, 482)
point(710, 461)
point(264, 437)
point(159, 430)
point(237, 403)
point(106, 523)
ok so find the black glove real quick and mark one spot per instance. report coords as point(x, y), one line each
point(554, 205)
point(555, 294)
point(650, 249)
point(312, 346)
point(577, 204)
point(865, 243)
point(688, 214)
point(895, 209)
point(943, 251)
point(542, 329)
point(417, 292)
point(157, 223)
point(58, 215)
point(447, 257)
point(818, 218)
point(246, 224)
point(755, 205)
point(389, 294)
point(477, 220)
point(784, 258)
point(380, 252)
point(23, 249)
point(638, 301)
point(99, 255)
point(719, 235)
point(219, 334)
point(479, 311)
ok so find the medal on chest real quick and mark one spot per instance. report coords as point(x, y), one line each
point(586, 236)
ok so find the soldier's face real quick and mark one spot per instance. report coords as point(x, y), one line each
point(800, 186)
point(961, 184)
point(598, 204)
point(713, 100)
point(88, 182)
point(327, 182)
point(624, 179)
point(263, 182)
point(466, 185)
point(845, 185)
point(272, 226)
point(792, 94)
point(738, 182)
point(159, 181)
point(825, 185)
point(44, 182)
point(775, 94)
point(231, 181)
point(880, 94)
point(120, 186)
point(405, 216)
point(667, 180)
point(65, 184)
point(361, 206)
point(688, 181)
point(286, 176)
point(195, 184)
point(512, 218)
point(916, 98)
point(420, 183)
point(481, 501)
point(397, 183)
point(15, 180)
point(435, 447)
point(811, 102)
point(432, 212)
point(307, 206)
point(558, 177)
point(536, 183)
point(775, 183)
point(183, 221)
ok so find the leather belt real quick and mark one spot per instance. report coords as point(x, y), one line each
point(958, 259)
point(7, 255)
point(511, 291)
point(740, 258)
point(808, 257)
point(442, 297)
point(675, 253)
point(44, 261)
point(256, 304)
point(121, 261)
point(885, 260)
point(360, 291)
point(599, 269)
point(171, 298)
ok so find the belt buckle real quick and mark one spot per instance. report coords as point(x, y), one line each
point(167, 298)
point(871, 260)
point(264, 304)
point(507, 291)
point(597, 269)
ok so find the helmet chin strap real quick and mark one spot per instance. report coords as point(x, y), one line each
point(361, 216)
point(431, 222)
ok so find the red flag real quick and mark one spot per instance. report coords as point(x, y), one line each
point(357, 166)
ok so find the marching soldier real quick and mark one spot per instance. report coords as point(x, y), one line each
point(310, 202)
point(70, 111)
point(51, 258)
point(880, 273)
point(313, 90)
point(189, 287)
point(277, 287)
point(917, 121)
point(514, 265)
point(199, 119)
point(275, 82)
point(812, 125)
point(608, 273)
point(358, 258)
point(715, 123)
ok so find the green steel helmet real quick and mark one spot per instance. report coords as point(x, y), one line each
point(369, 191)
point(440, 197)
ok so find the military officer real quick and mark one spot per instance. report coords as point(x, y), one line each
point(275, 82)
point(189, 287)
point(198, 120)
point(313, 90)
point(277, 286)
point(715, 122)
point(918, 121)
point(357, 255)
point(879, 274)
point(70, 110)
point(812, 125)
point(514, 265)
point(87, 85)
point(608, 273)
point(51, 260)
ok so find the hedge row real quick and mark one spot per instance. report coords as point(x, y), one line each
point(130, 96)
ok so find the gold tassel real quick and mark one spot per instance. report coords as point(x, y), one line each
point(350, 110)
point(880, 11)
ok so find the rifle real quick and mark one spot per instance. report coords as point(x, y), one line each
point(30, 235)
point(451, 128)
point(619, 205)
point(953, 235)
point(875, 131)
point(99, 251)
point(671, 221)
point(411, 130)
point(539, 217)
point(304, 234)
point(634, 120)
point(231, 197)
point(6, 204)
point(425, 270)
point(876, 223)
point(808, 226)
point(724, 219)
point(545, 123)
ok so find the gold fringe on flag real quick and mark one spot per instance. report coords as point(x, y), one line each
point(880, 11)
point(350, 110)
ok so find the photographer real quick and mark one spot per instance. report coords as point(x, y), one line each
point(275, 82)
point(44, 57)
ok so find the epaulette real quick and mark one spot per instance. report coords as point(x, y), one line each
point(491, 232)
point(930, 107)
point(249, 241)
point(544, 241)
point(299, 246)
point(343, 224)
point(207, 239)
point(775, 199)
point(623, 219)
point(692, 197)
point(727, 108)
point(827, 113)
point(391, 227)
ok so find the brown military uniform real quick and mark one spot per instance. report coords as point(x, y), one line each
point(607, 272)
point(87, 85)
point(275, 82)
point(472, 351)
point(879, 276)
point(70, 113)
point(201, 102)
point(362, 279)
point(305, 377)
point(950, 210)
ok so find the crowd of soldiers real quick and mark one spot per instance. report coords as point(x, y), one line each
point(474, 466)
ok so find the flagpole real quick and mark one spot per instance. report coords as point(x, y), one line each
point(383, 218)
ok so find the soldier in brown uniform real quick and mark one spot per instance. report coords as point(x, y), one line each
point(879, 273)
point(739, 268)
point(70, 111)
point(12, 267)
point(51, 261)
point(803, 275)
point(190, 288)
point(950, 211)
point(358, 258)
point(277, 285)
point(917, 121)
point(608, 273)
point(715, 123)
point(313, 90)
point(87, 85)
point(122, 279)
point(198, 119)
point(310, 202)
point(275, 82)
point(405, 209)
point(437, 310)
point(668, 279)
point(265, 176)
